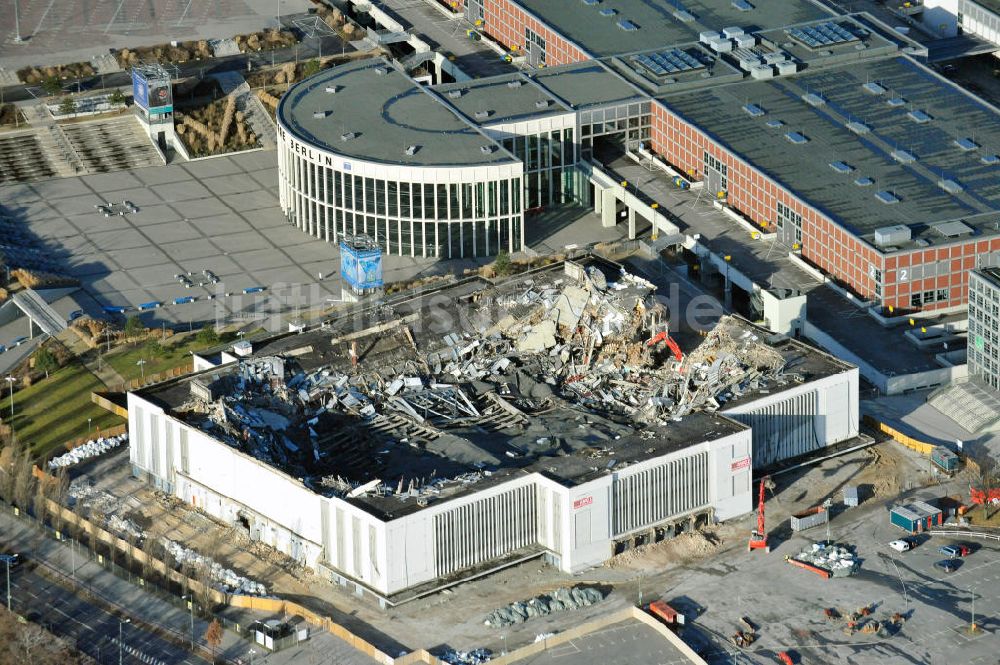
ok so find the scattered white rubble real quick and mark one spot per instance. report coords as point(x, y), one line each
point(226, 580)
point(85, 451)
point(474, 657)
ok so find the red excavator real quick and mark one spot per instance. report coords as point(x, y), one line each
point(664, 336)
point(758, 537)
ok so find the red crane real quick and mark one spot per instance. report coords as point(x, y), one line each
point(758, 537)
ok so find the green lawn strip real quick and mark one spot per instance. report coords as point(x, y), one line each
point(52, 411)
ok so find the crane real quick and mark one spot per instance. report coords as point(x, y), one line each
point(758, 537)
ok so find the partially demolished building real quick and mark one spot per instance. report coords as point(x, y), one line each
point(437, 436)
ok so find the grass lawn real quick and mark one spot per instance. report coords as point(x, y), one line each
point(125, 360)
point(55, 410)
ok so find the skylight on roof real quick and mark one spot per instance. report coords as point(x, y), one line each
point(903, 156)
point(627, 25)
point(796, 138)
point(887, 197)
point(895, 101)
point(591, 2)
point(822, 35)
point(950, 186)
point(774, 124)
point(812, 99)
point(742, 5)
point(864, 181)
point(858, 127)
point(874, 88)
point(670, 61)
point(753, 110)
point(918, 116)
point(607, 11)
point(990, 160)
point(841, 167)
point(966, 144)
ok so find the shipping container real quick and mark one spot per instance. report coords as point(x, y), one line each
point(945, 459)
point(916, 516)
point(808, 519)
point(852, 497)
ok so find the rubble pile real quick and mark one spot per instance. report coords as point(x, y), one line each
point(560, 600)
point(85, 451)
point(84, 496)
point(474, 657)
point(578, 342)
point(837, 559)
point(225, 579)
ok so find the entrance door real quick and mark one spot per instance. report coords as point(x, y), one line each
point(474, 11)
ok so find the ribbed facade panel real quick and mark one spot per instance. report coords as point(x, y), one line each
point(784, 429)
point(656, 494)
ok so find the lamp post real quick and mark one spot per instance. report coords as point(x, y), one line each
point(142, 368)
point(10, 380)
point(7, 561)
point(121, 644)
point(972, 627)
point(190, 601)
point(17, 24)
point(89, 421)
point(251, 653)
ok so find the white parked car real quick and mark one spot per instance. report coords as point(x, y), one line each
point(901, 545)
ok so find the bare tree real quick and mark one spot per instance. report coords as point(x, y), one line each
point(213, 635)
point(24, 479)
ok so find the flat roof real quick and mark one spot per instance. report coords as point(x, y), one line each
point(508, 98)
point(656, 22)
point(990, 5)
point(991, 275)
point(386, 111)
point(525, 424)
point(585, 84)
point(909, 149)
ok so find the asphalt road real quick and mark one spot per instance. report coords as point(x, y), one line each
point(90, 628)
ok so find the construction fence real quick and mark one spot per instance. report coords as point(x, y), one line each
point(920, 446)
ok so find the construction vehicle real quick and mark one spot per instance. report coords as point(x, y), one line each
point(664, 336)
point(983, 496)
point(665, 613)
point(758, 537)
point(785, 658)
point(747, 636)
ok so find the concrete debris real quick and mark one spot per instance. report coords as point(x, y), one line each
point(88, 450)
point(592, 342)
point(541, 637)
point(124, 528)
point(838, 559)
point(84, 496)
point(474, 657)
point(225, 579)
point(566, 598)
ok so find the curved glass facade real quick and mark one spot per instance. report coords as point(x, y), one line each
point(408, 210)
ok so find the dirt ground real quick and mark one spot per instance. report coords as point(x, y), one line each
point(455, 618)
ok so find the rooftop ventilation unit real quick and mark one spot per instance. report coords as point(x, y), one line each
point(381, 71)
point(319, 115)
point(482, 115)
point(796, 138)
point(774, 124)
point(347, 136)
point(720, 45)
point(753, 110)
point(514, 84)
point(953, 229)
point(733, 31)
point(486, 149)
point(707, 36)
point(918, 116)
point(411, 150)
point(627, 25)
point(864, 181)
point(990, 160)
point(774, 57)
point(966, 144)
point(684, 16)
point(760, 72)
point(873, 88)
point(903, 156)
point(745, 41)
point(608, 12)
point(454, 94)
point(813, 99)
point(541, 104)
point(787, 67)
point(841, 167)
point(742, 5)
point(886, 197)
point(950, 186)
point(858, 127)
point(895, 101)
point(892, 235)
point(332, 89)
